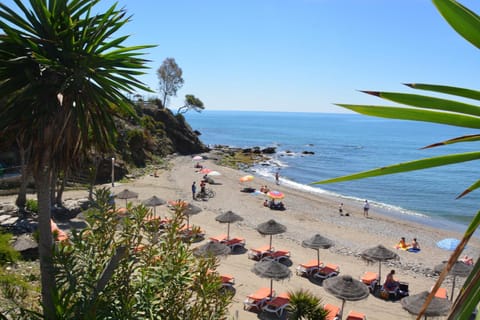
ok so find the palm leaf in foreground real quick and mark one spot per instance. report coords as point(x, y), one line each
point(442, 111)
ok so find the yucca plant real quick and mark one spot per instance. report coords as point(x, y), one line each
point(305, 305)
point(419, 107)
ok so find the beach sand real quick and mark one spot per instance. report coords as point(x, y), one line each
point(306, 215)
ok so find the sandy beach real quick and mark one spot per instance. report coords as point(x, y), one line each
point(305, 216)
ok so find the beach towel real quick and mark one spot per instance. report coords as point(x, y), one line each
point(414, 250)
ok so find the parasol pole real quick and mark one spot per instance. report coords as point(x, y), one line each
point(379, 271)
point(341, 311)
point(453, 287)
point(271, 289)
point(318, 259)
point(270, 243)
point(228, 231)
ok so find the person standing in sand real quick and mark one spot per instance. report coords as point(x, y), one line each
point(277, 178)
point(366, 207)
point(340, 209)
point(194, 190)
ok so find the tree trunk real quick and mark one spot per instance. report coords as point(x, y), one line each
point(45, 246)
point(21, 200)
point(53, 184)
point(24, 153)
point(61, 188)
point(93, 176)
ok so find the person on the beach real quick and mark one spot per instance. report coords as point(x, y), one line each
point(265, 203)
point(415, 244)
point(402, 244)
point(202, 187)
point(277, 177)
point(340, 209)
point(467, 260)
point(390, 283)
point(366, 207)
point(194, 190)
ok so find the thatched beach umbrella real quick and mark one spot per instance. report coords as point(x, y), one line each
point(437, 307)
point(272, 269)
point(379, 253)
point(228, 217)
point(154, 201)
point(346, 288)
point(317, 242)
point(459, 269)
point(127, 194)
point(190, 210)
point(211, 248)
point(270, 228)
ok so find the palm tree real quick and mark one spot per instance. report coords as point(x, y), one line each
point(304, 305)
point(442, 111)
point(63, 77)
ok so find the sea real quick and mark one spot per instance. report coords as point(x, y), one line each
point(316, 146)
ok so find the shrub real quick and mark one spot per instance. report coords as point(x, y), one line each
point(7, 253)
point(32, 205)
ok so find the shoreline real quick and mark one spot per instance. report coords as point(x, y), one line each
point(387, 210)
point(306, 215)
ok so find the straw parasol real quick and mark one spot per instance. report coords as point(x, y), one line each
point(154, 201)
point(379, 253)
point(127, 194)
point(437, 307)
point(270, 228)
point(317, 242)
point(346, 288)
point(190, 210)
point(211, 248)
point(272, 269)
point(459, 269)
point(228, 217)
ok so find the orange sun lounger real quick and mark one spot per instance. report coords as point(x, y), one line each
point(354, 315)
point(329, 270)
point(257, 299)
point(259, 253)
point(278, 304)
point(333, 311)
point(307, 269)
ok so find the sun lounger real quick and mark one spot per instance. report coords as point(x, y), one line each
point(227, 280)
point(327, 271)
point(307, 269)
point(257, 299)
point(354, 315)
point(278, 255)
point(259, 253)
point(370, 279)
point(333, 311)
point(278, 304)
point(220, 238)
point(235, 243)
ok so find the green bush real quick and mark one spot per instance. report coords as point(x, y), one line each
point(32, 205)
point(7, 253)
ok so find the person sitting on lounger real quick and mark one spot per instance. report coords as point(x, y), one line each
point(390, 283)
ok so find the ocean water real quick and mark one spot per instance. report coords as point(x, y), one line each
point(348, 143)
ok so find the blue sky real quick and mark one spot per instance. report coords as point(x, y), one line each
point(300, 55)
